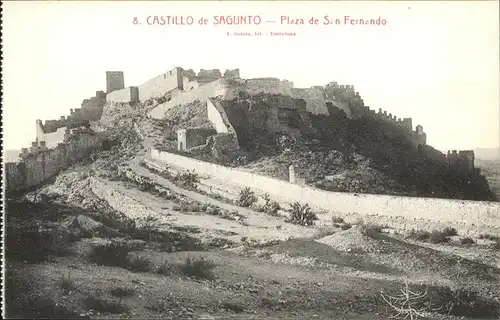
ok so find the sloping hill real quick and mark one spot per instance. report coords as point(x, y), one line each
point(487, 153)
point(491, 170)
point(336, 153)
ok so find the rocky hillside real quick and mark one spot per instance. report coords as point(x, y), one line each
point(332, 152)
point(491, 170)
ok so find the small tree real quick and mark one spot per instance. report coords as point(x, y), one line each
point(271, 207)
point(405, 303)
point(246, 198)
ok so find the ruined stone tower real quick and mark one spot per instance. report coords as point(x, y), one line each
point(114, 81)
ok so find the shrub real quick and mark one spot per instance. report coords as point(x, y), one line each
point(66, 283)
point(438, 237)
point(271, 207)
point(33, 246)
point(163, 268)
point(233, 307)
point(496, 245)
point(103, 305)
point(110, 254)
point(187, 179)
point(449, 232)
point(488, 236)
point(121, 292)
point(139, 264)
point(413, 300)
point(346, 226)
point(466, 241)
point(200, 268)
point(419, 235)
point(190, 206)
point(246, 198)
point(463, 303)
point(371, 230)
point(159, 306)
point(302, 214)
point(337, 219)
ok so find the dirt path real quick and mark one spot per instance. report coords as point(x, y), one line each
point(253, 219)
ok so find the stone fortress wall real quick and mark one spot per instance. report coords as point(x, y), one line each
point(39, 163)
point(58, 143)
point(227, 86)
point(185, 86)
point(53, 131)
point(407, 213)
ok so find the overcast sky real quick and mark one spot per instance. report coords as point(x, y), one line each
point(437, 62)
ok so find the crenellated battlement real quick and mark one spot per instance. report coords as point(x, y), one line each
point(91, 110)
point(114, 81)
point(463, 160)
point(39, 163)
point(205, 76)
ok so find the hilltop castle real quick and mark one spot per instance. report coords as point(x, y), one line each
point(70, 137)
point(185, 86)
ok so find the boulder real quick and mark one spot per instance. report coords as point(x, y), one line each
point(84, 223)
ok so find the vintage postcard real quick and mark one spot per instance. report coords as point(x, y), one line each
point(251, 160)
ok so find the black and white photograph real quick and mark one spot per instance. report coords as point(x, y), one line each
point(329, 160)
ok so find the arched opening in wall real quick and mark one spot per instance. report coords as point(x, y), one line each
point(419, 148)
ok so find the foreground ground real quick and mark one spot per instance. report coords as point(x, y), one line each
point(189, 254)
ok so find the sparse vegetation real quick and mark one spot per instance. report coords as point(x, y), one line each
point(271, 207)
point(466, 241)
point(187, 179)
point(246, 198)
point(346, 226)
point(233, 307)
point(496, 245)
point(199, 268)
point(406, 304)
point(34, 245)
point(139, 264)
point(450, 232)
point(336, 219)
point(302, 214)
point(488, 236)
point(419, 235)
point(437, 236)
point(164, 268)
point(372, 229)
point(159, 306)
point(121, 292)
point(462, 302)
point(246, 279)
point(104, 305)
point(66, 283)
point(415, 301)
point(110, 254)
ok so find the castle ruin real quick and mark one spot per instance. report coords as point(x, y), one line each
point(186, 86)
point(55, 139)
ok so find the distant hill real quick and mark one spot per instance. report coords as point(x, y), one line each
point(491, 170)
point(487, 153)
point(11, 155)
